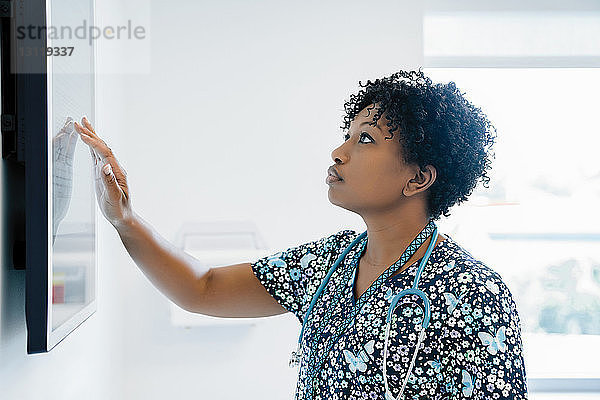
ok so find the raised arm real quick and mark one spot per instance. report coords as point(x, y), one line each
point(232, 291)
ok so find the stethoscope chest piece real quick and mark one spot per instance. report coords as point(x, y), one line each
point(295, 358)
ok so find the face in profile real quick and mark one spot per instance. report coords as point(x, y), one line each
point(370, 163)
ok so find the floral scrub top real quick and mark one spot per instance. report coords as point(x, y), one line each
point(472, 347)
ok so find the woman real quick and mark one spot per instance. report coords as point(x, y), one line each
point(412, 150)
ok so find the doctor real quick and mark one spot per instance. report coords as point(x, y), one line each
point(411, 150)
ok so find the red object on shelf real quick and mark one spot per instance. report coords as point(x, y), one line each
point(58, 294)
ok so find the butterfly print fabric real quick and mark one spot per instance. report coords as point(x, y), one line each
point(472, 347)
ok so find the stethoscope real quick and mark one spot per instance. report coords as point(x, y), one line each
point(297, 355)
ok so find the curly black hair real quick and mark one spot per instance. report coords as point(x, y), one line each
point(438, 126)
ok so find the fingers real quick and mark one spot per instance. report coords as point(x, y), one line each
point(87, 140)
point(82, 129)
point(103, 155)
point(121, 167)
point(98, 155)
point(91, 139)
point(87, 124)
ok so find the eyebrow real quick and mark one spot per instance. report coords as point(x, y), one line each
point(367, 122)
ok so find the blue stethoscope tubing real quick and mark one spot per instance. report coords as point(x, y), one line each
point(424, 323)
point(296, 355)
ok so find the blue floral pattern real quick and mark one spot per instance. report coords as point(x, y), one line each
point(472, 347)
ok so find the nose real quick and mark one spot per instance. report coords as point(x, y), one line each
point(339, 155)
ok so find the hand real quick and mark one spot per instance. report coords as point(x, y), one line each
point(112, 192)
point(63, 148)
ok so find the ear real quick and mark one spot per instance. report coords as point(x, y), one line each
point(423, 178)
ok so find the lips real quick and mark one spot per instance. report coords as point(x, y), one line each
point(333, 172)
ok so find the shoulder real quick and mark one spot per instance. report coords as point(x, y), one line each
point(459, 263)
point(472, 278)
point(344, 236)
point(480, 303)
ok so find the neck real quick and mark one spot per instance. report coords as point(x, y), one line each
point(390, 233)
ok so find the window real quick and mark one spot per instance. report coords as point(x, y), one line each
point(541, 227)
point(538, 223)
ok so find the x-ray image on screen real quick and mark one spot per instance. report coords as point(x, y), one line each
point(71, 96)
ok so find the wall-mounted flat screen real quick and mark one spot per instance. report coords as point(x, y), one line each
point(48, 79)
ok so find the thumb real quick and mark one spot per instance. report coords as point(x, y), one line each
point(110, 181)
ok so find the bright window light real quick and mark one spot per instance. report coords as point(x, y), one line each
point(538, 223)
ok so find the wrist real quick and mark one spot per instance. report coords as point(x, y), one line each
point(125, 224)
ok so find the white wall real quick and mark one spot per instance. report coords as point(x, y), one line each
point(235, 118)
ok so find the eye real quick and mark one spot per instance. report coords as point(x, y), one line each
point(362, 134)
point(365, 134)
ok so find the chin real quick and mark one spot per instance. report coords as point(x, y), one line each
point(338, 203)
point(332, 199)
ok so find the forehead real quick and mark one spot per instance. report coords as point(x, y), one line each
point(364, 118)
